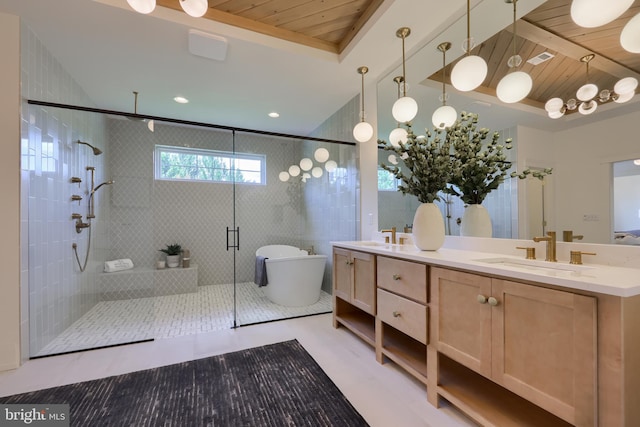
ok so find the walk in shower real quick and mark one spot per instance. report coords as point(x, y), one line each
point(220, 193)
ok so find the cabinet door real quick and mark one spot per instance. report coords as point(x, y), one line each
point(462, 329)
point(544, 348)
point(363, 293)
point(342, 273)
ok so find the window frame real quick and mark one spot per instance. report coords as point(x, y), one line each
point(231, 156)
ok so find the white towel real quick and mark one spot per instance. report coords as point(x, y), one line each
point(118, 265)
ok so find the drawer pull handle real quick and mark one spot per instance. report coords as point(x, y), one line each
point(396, 277)
point(348, 262)
point(396, 314)
point(482, 299)
point(492, 301)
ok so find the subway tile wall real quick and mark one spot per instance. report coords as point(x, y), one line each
point(58, 293)
point(333, 201)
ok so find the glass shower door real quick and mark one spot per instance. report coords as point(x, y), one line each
point(292, 192)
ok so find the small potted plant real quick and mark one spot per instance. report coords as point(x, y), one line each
point(173, 254)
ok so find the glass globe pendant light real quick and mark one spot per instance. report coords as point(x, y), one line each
point(363, 131)
point(594, 13)
point(142, 6)
point(516, 85)
point(470, 71)
point(195, 8)
point(399, 134)
point(405, 108)
point(444, 116)
point(630, 35)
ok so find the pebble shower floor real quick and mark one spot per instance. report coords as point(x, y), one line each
point(209, 309)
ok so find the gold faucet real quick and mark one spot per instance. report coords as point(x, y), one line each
point(392, 230)
point(568, 236)
point(550, 238)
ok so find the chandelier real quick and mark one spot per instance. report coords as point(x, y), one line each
point(589, 96)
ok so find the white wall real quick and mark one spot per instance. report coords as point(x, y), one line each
point(10, 189)
point(583, 174)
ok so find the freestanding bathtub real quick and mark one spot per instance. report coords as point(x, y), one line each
point(294, 277)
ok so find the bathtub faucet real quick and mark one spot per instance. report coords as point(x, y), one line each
point(311, 250)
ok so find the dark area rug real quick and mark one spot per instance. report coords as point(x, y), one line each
point(274, 385)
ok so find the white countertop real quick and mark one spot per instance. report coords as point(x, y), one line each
point(604, 279)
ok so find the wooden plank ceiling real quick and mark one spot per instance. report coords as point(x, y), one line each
point(549, 28)
point(328, 24)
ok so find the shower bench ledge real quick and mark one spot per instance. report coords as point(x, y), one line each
point(143, 282)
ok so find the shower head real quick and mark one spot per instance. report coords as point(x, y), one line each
point(96, 150)
point(104, 183)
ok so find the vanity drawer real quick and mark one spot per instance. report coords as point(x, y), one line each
point(404, 315)
point(403, 277)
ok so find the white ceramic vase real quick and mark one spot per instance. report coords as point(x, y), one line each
point(476, 222)
point(428, 227)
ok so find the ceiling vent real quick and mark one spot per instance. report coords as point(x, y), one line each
point(207, 45)
point(540, 58)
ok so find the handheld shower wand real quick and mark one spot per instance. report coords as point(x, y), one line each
point(96, 150)
point(91, 203)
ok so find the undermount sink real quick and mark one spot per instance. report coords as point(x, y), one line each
point(372, 243)
point(534, 264)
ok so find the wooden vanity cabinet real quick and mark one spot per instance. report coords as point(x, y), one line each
point(354, 292)
point(538, 343)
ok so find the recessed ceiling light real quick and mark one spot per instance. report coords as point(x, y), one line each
point(274, 114)
point(181, 99)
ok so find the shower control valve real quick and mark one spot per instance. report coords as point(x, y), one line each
point(81, 225)
point(76, 198)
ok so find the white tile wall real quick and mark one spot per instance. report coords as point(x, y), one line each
point(58, 293)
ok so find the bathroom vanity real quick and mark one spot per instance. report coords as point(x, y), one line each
point(508, 341)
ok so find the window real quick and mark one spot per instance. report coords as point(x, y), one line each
point(387, 181)
point(196, 164)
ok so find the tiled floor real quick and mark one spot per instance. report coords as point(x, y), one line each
point(384, 394)
point(209, 309)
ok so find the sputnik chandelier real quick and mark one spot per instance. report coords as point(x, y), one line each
point(589, 96)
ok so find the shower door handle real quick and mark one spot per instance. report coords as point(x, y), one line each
point(236, 238)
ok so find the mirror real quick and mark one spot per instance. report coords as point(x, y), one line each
point(580, 149)
point(626, 202)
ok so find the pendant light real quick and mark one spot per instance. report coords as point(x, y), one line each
point(517, 84)
point(142, 6)
point(594, 13)
point(405, 108)
point(195, 8)
point(399, 134)
point(363, 131)
point(470, 71)
point(444, 116)
point(630, 35)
